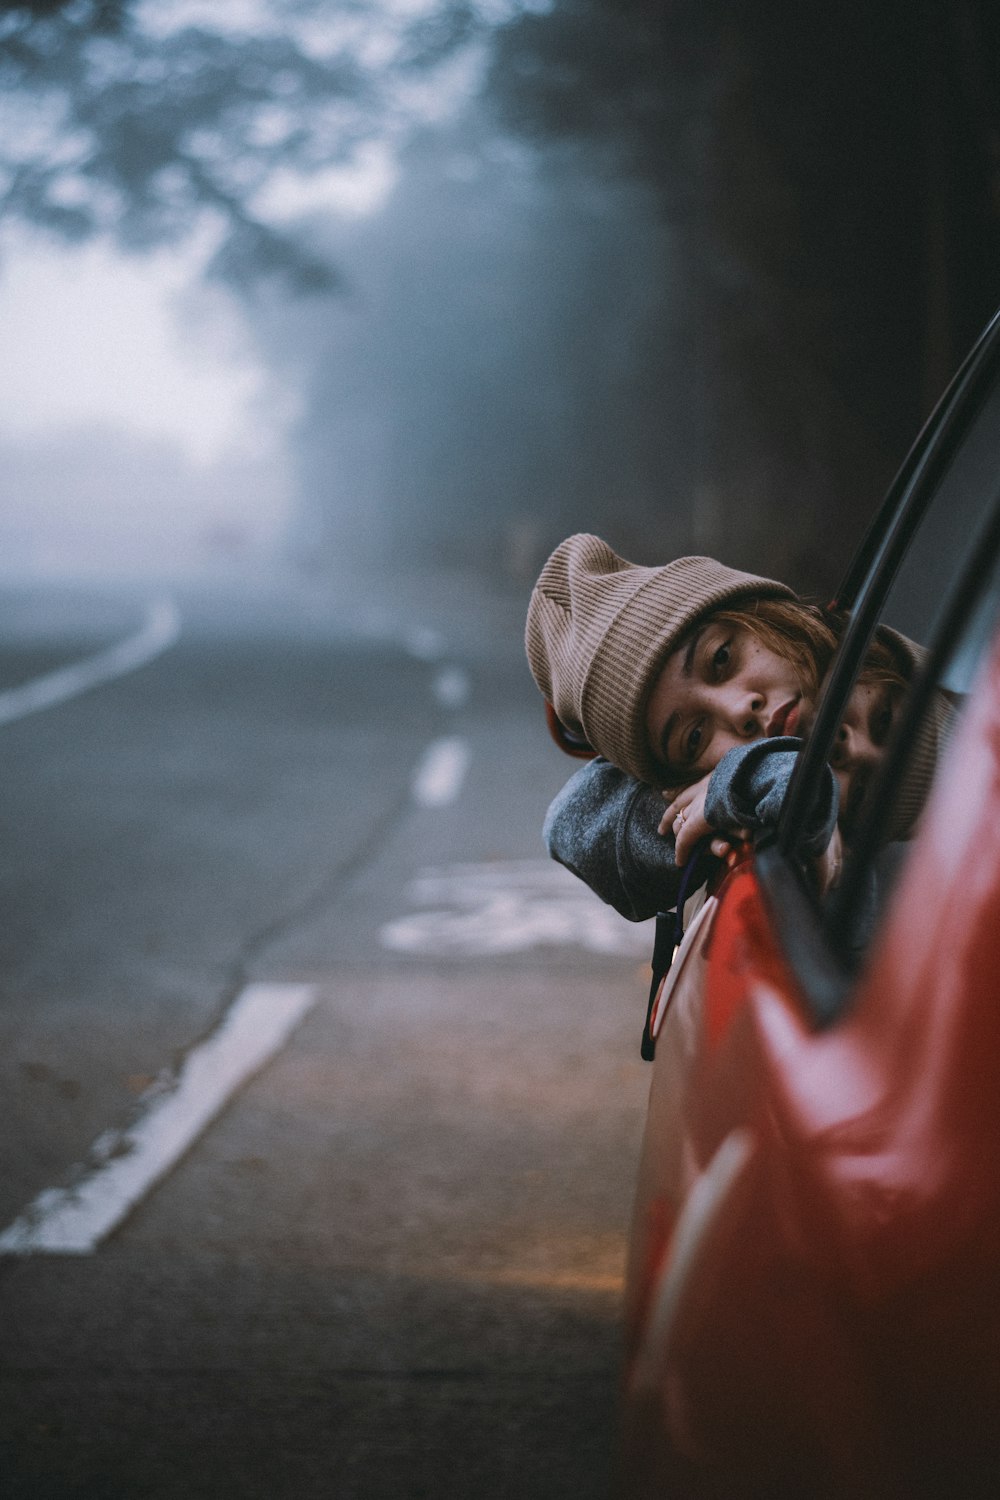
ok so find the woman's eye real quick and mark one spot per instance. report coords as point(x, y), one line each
point(882, 724)
point(692, 742)
point(720, 658)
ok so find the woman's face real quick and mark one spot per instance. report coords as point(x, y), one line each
point(721, 688)
point(860, 744)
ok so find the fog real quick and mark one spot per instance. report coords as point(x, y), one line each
point(136, 436)
point(284, 285)
point(485, 382)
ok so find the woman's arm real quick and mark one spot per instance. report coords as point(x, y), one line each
point(602, 826)
point(748, 786)
point(744, 795)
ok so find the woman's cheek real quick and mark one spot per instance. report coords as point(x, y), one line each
point(843, 780)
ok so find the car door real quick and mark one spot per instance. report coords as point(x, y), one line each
point(812, 1298)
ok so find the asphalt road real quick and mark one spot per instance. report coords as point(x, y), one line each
point(388, 1262)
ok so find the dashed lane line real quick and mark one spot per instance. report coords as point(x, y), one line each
point(161, 629)
point(126, 1165)
point(451, 687)
point(440, 772)
point(424, 644)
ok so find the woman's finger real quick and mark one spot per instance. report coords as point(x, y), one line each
point(687, 835)
point(673, 819)
point(671, 814)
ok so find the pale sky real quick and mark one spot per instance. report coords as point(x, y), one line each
point(98, 344)
point(138, 427)
point(91, 337)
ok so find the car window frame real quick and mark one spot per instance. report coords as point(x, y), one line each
point(814, 941)
point(962, 600)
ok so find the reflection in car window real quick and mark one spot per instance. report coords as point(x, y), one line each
point(914, 760)
point(912, 557)
point(957, 677)
point(926, 586)
point(935, 555)
point(886, 717)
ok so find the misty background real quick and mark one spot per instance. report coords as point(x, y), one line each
point(322, 322)
point(294, 287)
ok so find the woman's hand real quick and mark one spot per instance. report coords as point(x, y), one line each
point(685, 818)
point(829, 864)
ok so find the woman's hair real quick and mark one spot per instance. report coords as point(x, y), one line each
point(800, 633)
point(807, 636)
point(881, 666)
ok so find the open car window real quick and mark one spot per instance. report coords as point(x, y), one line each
point(950, 524)
point(920, 615)
point(918, 752)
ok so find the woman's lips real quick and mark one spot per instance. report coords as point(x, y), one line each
point(785, 720)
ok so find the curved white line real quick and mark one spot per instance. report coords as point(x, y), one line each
point(160, 631)
point(126, 1165)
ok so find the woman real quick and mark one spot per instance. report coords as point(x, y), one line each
point(669, 673)
point(601, 632)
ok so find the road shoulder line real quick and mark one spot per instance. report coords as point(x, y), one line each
point(161, 629)
point(74, 1220)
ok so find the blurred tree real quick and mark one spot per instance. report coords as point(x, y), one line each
point(120, 117)
point(751, 244)
point(832, 179)
point(499, 373)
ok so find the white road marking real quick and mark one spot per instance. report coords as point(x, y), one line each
point(160, 631)
point(439, 776)
point(509, 907)
point(451, 687)
point(424, 643)
point(126, 1165)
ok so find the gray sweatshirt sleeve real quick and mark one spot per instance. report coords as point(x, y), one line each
point(602, 826)
point(748, 786)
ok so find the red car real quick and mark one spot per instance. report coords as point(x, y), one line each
point(813, 1300)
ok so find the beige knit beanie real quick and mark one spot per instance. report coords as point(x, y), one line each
point(600, 628)
point(928, 742)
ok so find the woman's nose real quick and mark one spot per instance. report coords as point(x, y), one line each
point(746, 714)
point(840, 750)
point(852, 749)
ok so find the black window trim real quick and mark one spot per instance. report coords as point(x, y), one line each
point(857, 573)
point(821, 976)
point(815, 944)
point(925, 466)
point(962, 599)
